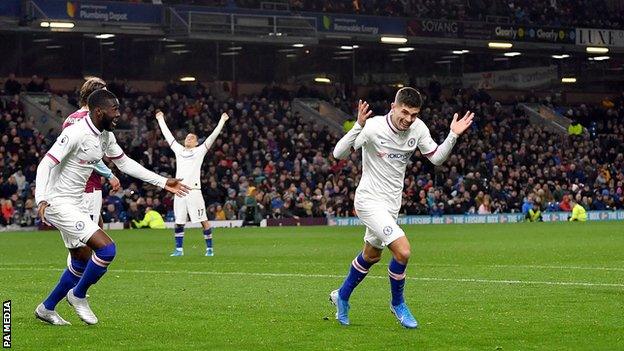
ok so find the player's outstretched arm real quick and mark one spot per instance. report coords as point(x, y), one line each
point(344, 145)
point(213, 136)
point(134, 169)
point(441, 152)
point(160, 117)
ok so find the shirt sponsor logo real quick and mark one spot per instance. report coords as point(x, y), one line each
point(404, 156)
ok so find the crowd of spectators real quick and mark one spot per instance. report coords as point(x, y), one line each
point(20, 147)
point(548, 13)
point(269, 162)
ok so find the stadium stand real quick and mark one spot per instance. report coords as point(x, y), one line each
point(586, 13)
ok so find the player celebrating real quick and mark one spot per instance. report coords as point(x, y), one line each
point(387, 144)
point(93, 190)
point(61, 178)
point(189, 159)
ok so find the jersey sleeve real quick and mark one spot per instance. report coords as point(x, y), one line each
point(363, 137)
point(113, 150)
point(173, 144)
point(426, 144)
point(344, 145)
point(103, 170)
point(64, 145)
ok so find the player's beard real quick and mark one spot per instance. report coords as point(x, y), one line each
point(111, 124)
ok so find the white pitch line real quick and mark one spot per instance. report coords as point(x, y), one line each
point(412, 264)
point(557, 267)
point(333, 276)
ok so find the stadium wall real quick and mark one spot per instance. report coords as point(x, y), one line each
point(593, 216)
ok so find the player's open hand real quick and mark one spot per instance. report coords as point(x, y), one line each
point(175, 186)
point(159, 114)
point(41, 211)
point(459, 126)
point(225, 117)
point(363, 112)
point(114, 183)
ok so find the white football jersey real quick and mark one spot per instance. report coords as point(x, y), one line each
point(189, 163)
point(76, 151)
point(385, 155)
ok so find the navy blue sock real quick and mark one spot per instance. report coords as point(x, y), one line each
point(208, 238)
point(96, 268)
point(179, 236)
point(359, 270)
point(69, 279)
point(396, 272)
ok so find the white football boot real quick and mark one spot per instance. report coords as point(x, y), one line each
point(82, 308)
point(49, 316)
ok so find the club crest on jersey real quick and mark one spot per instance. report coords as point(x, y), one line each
point(411, 142)
point(387, 230)
point(80, 225)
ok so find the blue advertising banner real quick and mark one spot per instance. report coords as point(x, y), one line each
point(100, 11)
point(495, 218)
point(10, 8)
point(366, 25)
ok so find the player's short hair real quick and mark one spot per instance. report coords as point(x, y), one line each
point(99, 98)
point(409, 97)
point(91, 85)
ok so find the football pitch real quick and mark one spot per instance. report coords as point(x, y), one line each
point(546, 286)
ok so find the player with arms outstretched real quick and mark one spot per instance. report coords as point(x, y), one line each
point(61, 178)
point(388, 143)
point(189, 160)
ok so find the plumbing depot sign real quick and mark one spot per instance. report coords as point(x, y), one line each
point(100, 11)
point(600, 37)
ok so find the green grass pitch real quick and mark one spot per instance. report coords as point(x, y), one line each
point(539, 286)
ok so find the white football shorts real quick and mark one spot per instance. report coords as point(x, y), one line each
point(75, 225)
point(380, 221)
point(191, 205)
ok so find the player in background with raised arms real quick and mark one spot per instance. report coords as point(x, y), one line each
point(189, 160)
point(61, 178)
point(93, 190)
point(388, 143)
